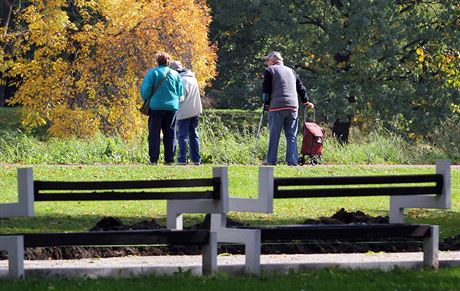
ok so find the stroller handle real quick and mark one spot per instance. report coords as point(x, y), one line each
point(305, 114)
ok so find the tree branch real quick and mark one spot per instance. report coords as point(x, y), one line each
point(315, 22)
point(6, 9)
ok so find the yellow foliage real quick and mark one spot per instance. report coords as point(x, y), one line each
point(66, 122)
point(445, 65)
point(84, 76)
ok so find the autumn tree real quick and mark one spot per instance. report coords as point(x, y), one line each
point(80, 63)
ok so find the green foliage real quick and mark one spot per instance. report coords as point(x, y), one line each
point(446, 136)
point(357, 58)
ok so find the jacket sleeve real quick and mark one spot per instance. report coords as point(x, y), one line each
point(267, 84)
point(301, 90)
point(267, 87)
point(147, 86)
point(185, 90)
point(180, 87)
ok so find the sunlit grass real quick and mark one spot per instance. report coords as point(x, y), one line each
point(324, 279)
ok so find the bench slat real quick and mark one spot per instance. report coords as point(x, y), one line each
point(43, 190)
point(368, 191)
point(105, 185)
point(353, 180)
point(116, 238)
point(340, 231)
point(111, 195)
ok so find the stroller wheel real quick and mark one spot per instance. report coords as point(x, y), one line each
point(314, 160)
point(301, 161)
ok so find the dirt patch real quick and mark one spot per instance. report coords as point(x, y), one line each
point(341, 217)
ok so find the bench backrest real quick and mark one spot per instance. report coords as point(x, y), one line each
point(430, 191)
point(126, 190)
point(197, 195)
point(374, 186)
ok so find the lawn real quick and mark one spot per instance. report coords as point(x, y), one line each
point(325, 279)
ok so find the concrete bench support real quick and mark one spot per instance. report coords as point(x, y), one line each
point(209, 256)
point(14, 246)
point(264, 201)
point(398, 203)
point(176, 208)
point(431, 249)
point(250, 238)
point(25, 205)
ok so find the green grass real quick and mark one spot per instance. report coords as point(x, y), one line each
point(74, 216)
point(325, 279)
point(227, 137)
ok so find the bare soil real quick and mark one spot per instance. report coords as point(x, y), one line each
point(341, 217)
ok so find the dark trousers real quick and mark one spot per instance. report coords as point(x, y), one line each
point(165, 121)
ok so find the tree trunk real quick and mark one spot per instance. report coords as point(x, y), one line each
point(6, 7)
point(2, 96)
point(341, 130)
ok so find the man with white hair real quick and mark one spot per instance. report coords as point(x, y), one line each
point(190, 109)
point(281, 90)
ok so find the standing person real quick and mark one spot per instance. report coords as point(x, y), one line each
point(190, 109)
point(281, 90)
point(164, 87)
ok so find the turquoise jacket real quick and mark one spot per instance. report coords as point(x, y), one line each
point(168, 95)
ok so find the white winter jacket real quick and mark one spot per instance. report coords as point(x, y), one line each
point(190, 102)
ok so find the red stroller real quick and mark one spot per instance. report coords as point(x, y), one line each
point(312, 142)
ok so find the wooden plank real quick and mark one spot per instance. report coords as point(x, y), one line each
point(46, 190)
point(358, 180)
point(342, 232)
point(114, 185)
point(111, 195)
point(116, 238)
point(351, 192)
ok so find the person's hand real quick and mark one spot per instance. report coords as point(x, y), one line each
point(309, 105)
point(267, 107)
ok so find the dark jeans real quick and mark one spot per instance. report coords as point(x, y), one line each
point(188, 133)
point(165, 121)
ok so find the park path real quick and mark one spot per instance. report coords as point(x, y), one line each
point(232, 264)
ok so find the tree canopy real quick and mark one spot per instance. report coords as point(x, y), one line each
point(78, 64)
point(395, 61)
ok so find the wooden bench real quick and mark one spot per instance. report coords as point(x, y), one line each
point(414, 191)
point(188, 195)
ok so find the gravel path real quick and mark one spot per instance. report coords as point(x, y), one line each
point(233, 264)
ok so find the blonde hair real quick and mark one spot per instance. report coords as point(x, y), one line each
point(163, 58)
